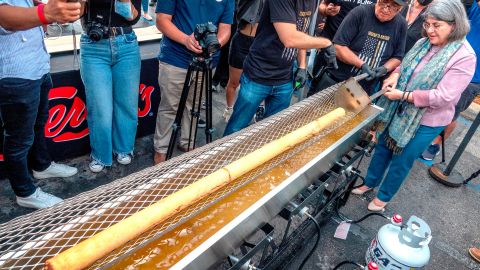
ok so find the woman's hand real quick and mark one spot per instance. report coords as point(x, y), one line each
point(391, 81)
point(393, 93)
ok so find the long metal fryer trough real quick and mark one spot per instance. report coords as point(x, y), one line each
point(26, 242)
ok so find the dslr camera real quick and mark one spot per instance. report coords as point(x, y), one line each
point(206, 35)
point(96, 28)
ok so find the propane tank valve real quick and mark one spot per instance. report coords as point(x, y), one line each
point(397, 220)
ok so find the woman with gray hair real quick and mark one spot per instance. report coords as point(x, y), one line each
point(420, 98)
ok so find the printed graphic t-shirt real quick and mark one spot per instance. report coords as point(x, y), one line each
point(372, 41)
point(269, 62)
point(333, 22)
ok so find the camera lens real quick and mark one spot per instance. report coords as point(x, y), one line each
point(95, 34)
point(212, 44)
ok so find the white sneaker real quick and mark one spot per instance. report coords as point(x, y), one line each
point(38, 200)
point(124, 159)
point(227, 113)
point(55, 170)
point(95, 166)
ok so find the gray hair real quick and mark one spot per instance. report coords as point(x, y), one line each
point(452, 12)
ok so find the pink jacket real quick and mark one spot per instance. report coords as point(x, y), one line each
point(440, 102)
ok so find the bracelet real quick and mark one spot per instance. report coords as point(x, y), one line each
point(408, 95)
point(41, 14)
point(403, 96)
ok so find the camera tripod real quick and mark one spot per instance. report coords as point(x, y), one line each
point(199, 67)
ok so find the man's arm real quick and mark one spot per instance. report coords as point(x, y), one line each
point(224, 32)
point(291, 38)
point(166, 26)
point(347, 56)
point(22, 18)
point(302, 58)
point(392, 64)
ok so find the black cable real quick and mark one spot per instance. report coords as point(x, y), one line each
point(475, 174)
point(367, 216)
point(316, 242)
point(348, 262)
point(361, 178)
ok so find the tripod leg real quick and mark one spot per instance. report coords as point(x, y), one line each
point(176, 127)
point(195, 112)
point(209, 100)
point(198, 107)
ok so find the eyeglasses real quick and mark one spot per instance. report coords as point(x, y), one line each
point(388, 5)
point(435, 26)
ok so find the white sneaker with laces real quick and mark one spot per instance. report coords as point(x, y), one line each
point(124, 159)
point(227, 113)
point(55, 170)
point(95, 166)
point(38, 200)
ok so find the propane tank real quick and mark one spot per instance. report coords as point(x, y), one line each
point(398, 247)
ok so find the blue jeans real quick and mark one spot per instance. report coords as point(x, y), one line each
point(250, 96)
point(110, 70)
point(145, 6)
point(23, 114)
point(400, 164)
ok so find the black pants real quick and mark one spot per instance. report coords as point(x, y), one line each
point(23, 114)
point(322, 82)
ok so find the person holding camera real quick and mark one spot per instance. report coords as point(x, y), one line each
point(24, 86)
point(268, 69)
point(110, 69)
point(177, 19)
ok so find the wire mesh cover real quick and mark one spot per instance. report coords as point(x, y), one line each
point(28, 241)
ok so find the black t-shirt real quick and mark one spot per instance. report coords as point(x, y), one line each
point(269, 62)
point(372, 41)
point(248, 12)
point(414, 32)
point(332, 23)
point(106, 7)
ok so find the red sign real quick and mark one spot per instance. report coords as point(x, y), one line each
point(146, 98)
point(60, 116)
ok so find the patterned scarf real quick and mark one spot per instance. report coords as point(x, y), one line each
point(402, 128)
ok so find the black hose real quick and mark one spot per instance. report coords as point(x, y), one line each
point(348, 262)
point(367, 216)
point(316, 242)
point(361, 178)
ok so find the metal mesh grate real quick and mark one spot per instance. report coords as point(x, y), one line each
point(26, 242)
